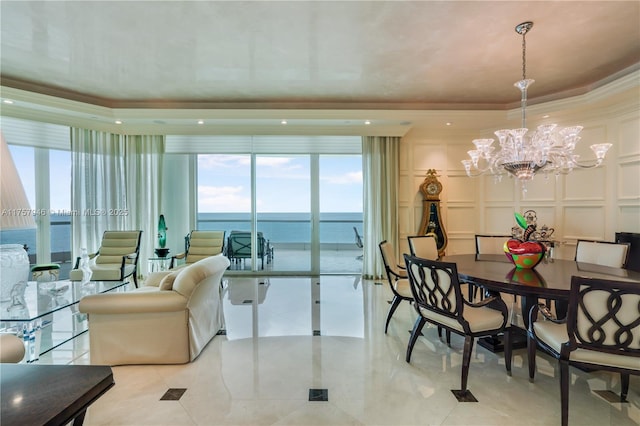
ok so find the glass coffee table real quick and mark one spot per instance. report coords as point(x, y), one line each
point(47, 315)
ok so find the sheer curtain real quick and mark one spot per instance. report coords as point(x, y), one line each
point(380, 175)
point(116, 181)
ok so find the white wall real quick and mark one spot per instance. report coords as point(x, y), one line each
point(589, 203)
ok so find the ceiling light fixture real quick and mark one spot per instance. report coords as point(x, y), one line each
point(522, 155)
point(283, 122)
point(367, 122)
point(118, 122)
point(200, 121)
point(7, 101)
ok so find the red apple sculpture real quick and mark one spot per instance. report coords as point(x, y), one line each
point(524, 254)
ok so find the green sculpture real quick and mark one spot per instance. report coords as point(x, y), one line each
point(162, 232)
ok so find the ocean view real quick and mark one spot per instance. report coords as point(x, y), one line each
point(335, 228)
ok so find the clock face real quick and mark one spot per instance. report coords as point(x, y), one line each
point(432, 189)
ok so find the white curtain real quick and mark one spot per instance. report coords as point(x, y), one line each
point(116, 181)
point(380, 175)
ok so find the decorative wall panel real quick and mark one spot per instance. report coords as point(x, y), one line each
point(541, 189)
point(585, 184)
point(459, 189)
point(629, 219)
point(586, 222)
point(407, 189)
point(459, 221)
point(629, 140)
point(499, 191)
point(429, 157)
point(498, 220)
point(629, 181)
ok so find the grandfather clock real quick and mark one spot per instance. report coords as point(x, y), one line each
point(431, 215)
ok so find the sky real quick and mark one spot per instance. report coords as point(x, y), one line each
point(282, 183)
point(224, 182)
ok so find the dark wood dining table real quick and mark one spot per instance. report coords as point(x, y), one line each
point(549, 280)
point(34, 394)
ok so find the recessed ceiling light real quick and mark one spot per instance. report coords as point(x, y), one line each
point(7, 101)
point(283, 122)
point(118, 122)
point(367, 122)
point(200, 121)
point(545, 116)
point(448, 123)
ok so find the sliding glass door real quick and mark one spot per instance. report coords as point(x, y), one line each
point(284, 213)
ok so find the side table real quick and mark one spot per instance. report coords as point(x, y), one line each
point(158, 264)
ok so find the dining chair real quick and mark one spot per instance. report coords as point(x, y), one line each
point(397, 278)
point(423, 246)
point(490, 244)
point(487, 244)
point(600, 332)
point(603, 253)
point(438, 300)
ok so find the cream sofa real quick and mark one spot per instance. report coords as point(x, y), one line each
point(169, 320)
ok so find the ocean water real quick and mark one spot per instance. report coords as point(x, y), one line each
point(276, 227)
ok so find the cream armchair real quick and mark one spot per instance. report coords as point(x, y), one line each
point(115, 260)
point(169, 320)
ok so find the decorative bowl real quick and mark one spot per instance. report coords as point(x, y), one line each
point(162, 252)
point(525, 260)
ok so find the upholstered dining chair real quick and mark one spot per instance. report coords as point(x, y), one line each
point(603, 253)
point(487, 244)
point(438, 300)
point(200, 244)
point(600, 332)
point(397, 278)
point(115, 260)
point(423, 246)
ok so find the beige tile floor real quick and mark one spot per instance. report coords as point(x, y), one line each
point(260, 373)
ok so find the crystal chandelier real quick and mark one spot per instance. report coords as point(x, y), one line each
point(522, 155)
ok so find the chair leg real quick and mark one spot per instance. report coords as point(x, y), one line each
point(417, 329)
point(448, 334)
point(466, 361)
point(135, 278)
point(531, 355)
point(439, 332)
point(507, 349)
point(394, 305)
point(624, 386)
point(564, 392)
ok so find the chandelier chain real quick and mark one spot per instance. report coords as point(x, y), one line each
point(524, 56)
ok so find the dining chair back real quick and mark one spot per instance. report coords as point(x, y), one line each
point(601, 332)
point(396, 277)
point(603, 253)
point(438, 300)
point(487, 244)
point(423, 246)
point(490, 244)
